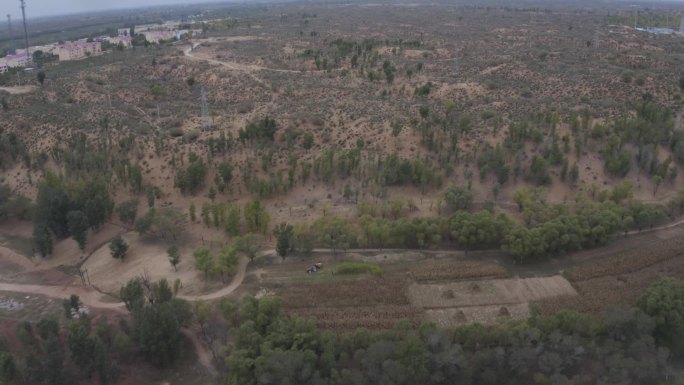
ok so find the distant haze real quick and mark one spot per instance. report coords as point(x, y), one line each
point(38, 8)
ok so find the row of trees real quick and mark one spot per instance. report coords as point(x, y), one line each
point(548, 229)
point(625, 345)
point(227, 216)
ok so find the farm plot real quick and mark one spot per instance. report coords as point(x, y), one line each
point(627, 262)
point(451, 304)
point(454, 270)
point(600, 287)
point(374, 303)
point(447, 318)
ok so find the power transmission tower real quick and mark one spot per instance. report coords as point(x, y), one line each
point(457, 68)
point(597, 41)
point(23, 15)
point(206, 122)
point(636, 13)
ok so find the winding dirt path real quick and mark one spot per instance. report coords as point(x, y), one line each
point(95, 299)
point(235, 66)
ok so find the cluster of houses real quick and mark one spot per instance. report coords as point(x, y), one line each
point(81, 49)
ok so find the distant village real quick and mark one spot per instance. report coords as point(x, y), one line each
point(84, 48)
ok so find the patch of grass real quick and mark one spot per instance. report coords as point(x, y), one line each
point(358, 268)
point(21, 245)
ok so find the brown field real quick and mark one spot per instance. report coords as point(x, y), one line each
point(619, 279)
point(454, 270)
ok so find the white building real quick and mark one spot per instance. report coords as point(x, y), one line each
point(125, 40)
point(156, 36)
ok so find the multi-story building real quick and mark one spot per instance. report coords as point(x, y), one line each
point(156, 36)
point(77, 50)
point(20, 59)
point(125, 40)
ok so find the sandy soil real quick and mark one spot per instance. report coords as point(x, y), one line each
point(145, 256)
point(18, 90)
point(452, 304)
point(485, 315)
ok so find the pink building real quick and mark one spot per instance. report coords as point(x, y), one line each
point(16, 60)
point(77, 50)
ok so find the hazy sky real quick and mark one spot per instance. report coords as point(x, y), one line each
point(36, 8)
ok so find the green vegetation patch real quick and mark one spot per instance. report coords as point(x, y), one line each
point(358, 268)
point(21, 245)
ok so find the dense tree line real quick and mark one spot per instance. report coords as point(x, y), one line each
point(623, 346)
point(13, 205)
point(68, 207)
point(548, 229)
point(157, 317)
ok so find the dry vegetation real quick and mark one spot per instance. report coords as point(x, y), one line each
point(375, 303)
point(619, 279)
point(456, 270)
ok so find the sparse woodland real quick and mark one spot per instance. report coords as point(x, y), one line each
point(487, 128)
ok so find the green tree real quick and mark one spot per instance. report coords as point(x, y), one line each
point(133, 295)
point(204, 260)
point(249, 244)
point(78, 227)
point(157, 319)
point(308, 141)
point(191, 178)
point(82, 345)
point(226, 263)
point(174, 256)
point(127, 211)
point(664, 302)
point(193, 212)
point(118, 247)
point(7, 367)
point(256, 217)
point(233, 220)
point(458, 198)
point(334, 232)
point(284, 234)
point(144, 224)
point(42, 239)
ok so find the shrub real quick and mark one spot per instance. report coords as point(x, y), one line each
point(175, 132)
point(358, 268)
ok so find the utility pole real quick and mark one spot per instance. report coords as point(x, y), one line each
point(9, 27)
point(23, 15)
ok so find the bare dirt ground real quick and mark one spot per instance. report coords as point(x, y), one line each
point(457, 303)
point(18, 90)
